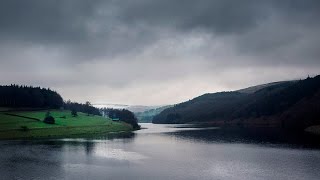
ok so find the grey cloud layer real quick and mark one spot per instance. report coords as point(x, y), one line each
point(122, 43)
point(82, 24)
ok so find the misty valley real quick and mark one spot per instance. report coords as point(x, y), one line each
point(268, 131)
point(159, 90)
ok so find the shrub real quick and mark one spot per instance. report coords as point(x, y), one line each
point(24, 128)
point(49, 120)
point(48, 114)
point(74, 113)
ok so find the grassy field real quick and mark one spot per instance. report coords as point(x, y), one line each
point(14, 127)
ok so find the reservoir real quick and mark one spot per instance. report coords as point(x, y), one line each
point(164, 152)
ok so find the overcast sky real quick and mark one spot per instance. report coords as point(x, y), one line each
point(154, 52)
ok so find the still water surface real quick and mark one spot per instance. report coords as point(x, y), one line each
point(162, 152)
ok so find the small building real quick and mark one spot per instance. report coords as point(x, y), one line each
point(115, 119)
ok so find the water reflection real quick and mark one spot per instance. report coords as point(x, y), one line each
point(164, 152)
point(20, 159)
point(263, 136)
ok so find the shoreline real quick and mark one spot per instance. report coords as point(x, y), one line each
point(63, 132)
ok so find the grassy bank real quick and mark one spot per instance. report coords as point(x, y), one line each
point(29, 124)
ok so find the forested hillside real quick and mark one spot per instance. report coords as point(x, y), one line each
point(202, 108)
point(280, 104)
point(28, 96)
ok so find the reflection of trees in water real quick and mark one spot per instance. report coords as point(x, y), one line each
point(128, 136)
point(43, 158)
point(89, 146)
point(250, 136)
point(86, 142)
point(30, 158)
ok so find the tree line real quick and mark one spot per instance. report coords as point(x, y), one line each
point(79, 107)
point(17, 96)
point(121, 114)
point(28, 96)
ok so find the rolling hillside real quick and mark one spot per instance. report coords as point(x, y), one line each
point(29, 124)
point(278, 104)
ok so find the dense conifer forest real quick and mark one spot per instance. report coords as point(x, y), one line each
point(29, 97)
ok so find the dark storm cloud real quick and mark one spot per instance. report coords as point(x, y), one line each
point(94, 28)
point(87, 28)
point(219, 16)
point(281, 32)
point(56, 21)
point(130, 44)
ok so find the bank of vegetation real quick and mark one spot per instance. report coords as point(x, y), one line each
point(34, 112)
point(123, 115)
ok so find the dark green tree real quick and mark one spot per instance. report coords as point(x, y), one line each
point(74, 113)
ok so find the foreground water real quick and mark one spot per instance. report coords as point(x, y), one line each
point(164, 152)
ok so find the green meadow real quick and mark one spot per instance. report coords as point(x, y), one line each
point(29, 124)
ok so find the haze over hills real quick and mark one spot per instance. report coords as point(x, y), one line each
point(132, 108)
point(112, 106)
point(291, 104)
point(144, 114)
point(147, 115)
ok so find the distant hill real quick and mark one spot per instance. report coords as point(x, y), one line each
point(140, 108)
point(144, 114)
point(132, 108)
point(112, 106)
point(292, 104)
point(147, 116)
